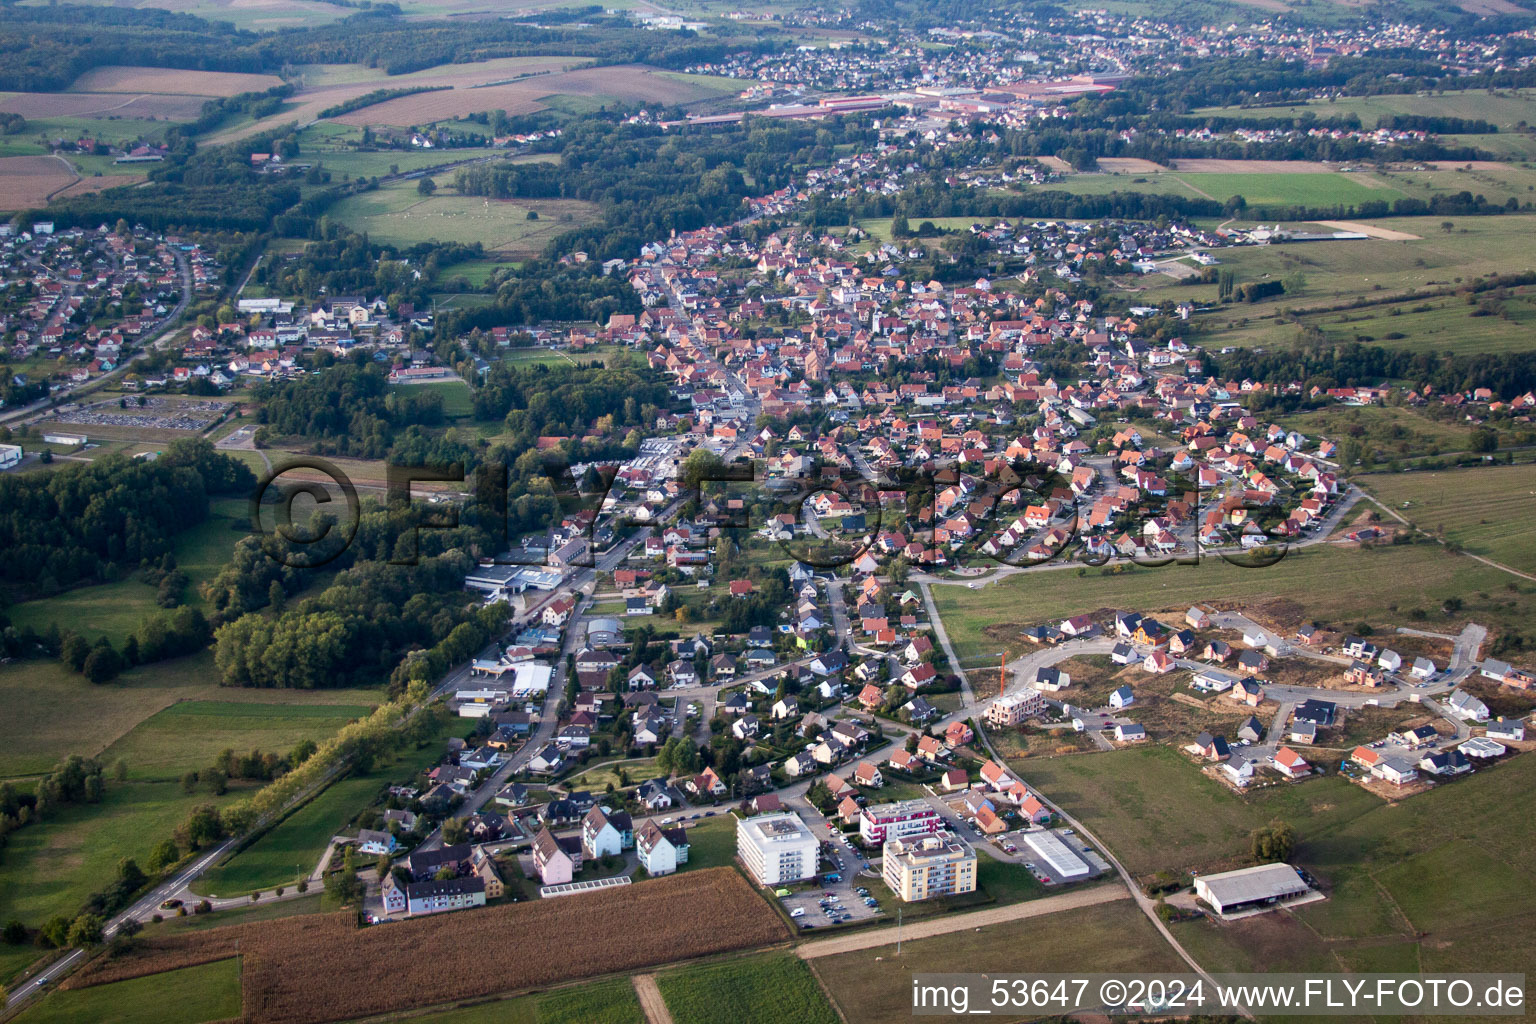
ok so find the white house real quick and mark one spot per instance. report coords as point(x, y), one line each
point(1122, 698)
point(661, 850)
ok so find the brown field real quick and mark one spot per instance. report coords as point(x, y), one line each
point(88, 185)
point(387, 968)
point(80, 104)
point(169, 81)
point(1369, 229)
point(1054, 163)
point(461, 76)
point(1201, 165)
point(1128, 165)
point(523, 97)
point(29, 180)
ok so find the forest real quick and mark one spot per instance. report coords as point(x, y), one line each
point(344, 409)
point(90, 521)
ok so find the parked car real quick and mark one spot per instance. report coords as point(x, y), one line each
point(797, 912)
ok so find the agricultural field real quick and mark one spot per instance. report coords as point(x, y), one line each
point(634, 83)
point(1260, 188)
point(872, 986)
point(170, 81)
point(188, 996)
point(1487, 511)
point(29, 181)
point(1156, 811)
point(54, 712)
point(1502, 108)
point(437, 959)
point(751, 990)
point(398, 214)
point(1385, 432)
point(604, 1002)
point(1380, 913)
point(190, 734)
point(43, 106)
point(291, 849)
point(1326, 583)
point(52, 867)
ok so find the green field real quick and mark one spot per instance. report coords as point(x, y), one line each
point(456, 397)
point(115, 609)
point(359, 164)
point(1266, 189)
point(874, 986)
point(190, 734)
point(1155, 810)
point(601, 1002)
point(1488, 511)
point(753, 990)
point(191, 995)
point(1506, 109)
point(52, 867)
point(291, 848)
point(712, 843)
point(1331, 584)
point(1439, 882)
point(397, 214)
point(54, 712)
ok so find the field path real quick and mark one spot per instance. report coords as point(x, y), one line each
point(655, 1007)
point(1192, 188)
point(957, 922)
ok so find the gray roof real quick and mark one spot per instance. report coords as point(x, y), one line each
point(1246, 885)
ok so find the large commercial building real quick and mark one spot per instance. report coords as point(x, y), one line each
point(776, 848)
point(901, 820)
point(939, 864)
point(1247, 888)
point(1062, 861)
point(1014, 708)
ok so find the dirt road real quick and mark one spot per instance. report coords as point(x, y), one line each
point(655, 1007)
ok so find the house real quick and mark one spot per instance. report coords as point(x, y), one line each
point(1483, 747)
point(919, 711)
point(1445, 762)
point(955, 780)
point(1050, 679)
point(375, 843)
point(1467, 707)
point(653, 793)
point(871, 696)
point(606, 833)
point(424, 864)
point(800, 765)
point(1302, 732)
point(1158, 663)
point(1130, 732)
point(957, 734)
point(1252, 662)
point(661, 850)
point(432, 896)
point(1251, 730)
point(1197, 618)
point(484, 867)
point(930, 749)
point(1238, 770)
point(1211, 748)
point(1395, 770)
point(1318, 712)
point(1390, 661)
point(784, 708)
point(1123, 654)
point(1507, 729)
point(1418, 736)
point(866, 774)
point(1423, 669)
point(1122, 698)
point(547, 761)
point(555, 860)
point(746, 728)
point(642, 678)
point(1248, 692)
point(705, 784)
point(1291, 764)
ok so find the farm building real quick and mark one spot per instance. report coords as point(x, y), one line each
point(1250, 888)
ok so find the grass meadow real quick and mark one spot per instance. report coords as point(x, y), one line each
point(751, 990)
point(187, 996)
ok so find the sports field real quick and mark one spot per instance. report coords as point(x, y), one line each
point(398, 214)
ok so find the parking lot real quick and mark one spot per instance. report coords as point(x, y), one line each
point(845, 904)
